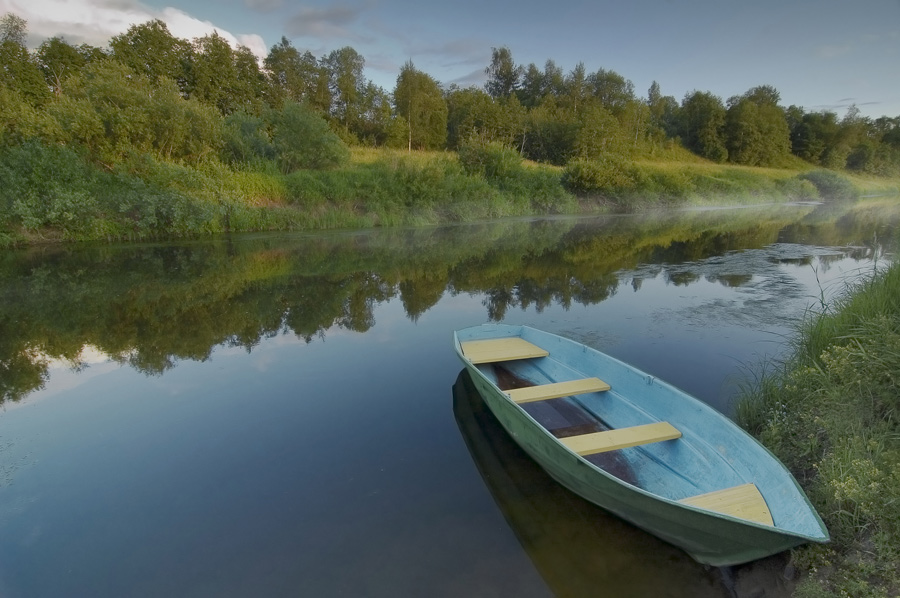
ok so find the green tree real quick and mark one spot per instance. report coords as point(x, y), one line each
point(149, 49)
point(57, 60)
point(346, 84)
point(612, 89)
point(376, 123)
point(577, 87)
point(554, 80)
point(19, 119)
point(474, 117)
point(756, 128)
point(503, 75)
point(295, 76)
point(228, 79)
point(599, 132)
point(812, 133)
point(113, 112)
point(13, 28)
point(663, 114)
point(552, 132)
point(419, 102)
point(18, 69)
point(702, 125)
point(532, 88)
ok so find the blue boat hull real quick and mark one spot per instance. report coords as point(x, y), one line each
point(644, 484)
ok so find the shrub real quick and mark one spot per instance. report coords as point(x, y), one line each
point(47, 186)
point(607, 176)
point(499, 164)
point(302, 139)
point(830, 184)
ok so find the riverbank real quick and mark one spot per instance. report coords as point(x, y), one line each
point(830, 413)
point(52, 193)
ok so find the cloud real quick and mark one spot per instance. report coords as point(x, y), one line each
point(96, 21)
point(264, 5)
point(475, 78)
point(330, 22)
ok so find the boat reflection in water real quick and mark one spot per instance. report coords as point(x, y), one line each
point(578, 548)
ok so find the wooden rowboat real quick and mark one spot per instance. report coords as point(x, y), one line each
point(638, 447)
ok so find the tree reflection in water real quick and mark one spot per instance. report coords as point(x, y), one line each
point(150, 305)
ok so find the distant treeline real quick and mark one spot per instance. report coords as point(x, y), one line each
point(546, 113)
point(160, 135)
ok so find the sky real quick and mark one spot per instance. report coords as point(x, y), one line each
point(819, 54)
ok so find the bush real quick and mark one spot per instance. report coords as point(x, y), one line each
point(499, 164)
point(830, 184)
point(607, 176)
point(302, 139)
point(47, 186)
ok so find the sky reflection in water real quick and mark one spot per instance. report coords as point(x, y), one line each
point(281, 415)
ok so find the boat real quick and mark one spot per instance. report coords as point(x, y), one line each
point(638, 447)
point(574, 545)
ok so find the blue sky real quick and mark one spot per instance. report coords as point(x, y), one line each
point(819, 54)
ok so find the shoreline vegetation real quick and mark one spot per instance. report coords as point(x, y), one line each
point(160, 137)
point(830, 413)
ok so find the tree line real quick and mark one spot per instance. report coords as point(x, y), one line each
point(186, 101)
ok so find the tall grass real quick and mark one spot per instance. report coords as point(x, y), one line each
point(831, 412)
point(630, 184)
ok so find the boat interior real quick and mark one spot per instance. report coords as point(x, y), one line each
point(637, 439)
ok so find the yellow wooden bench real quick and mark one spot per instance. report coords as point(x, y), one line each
point(611, 440)
point(557, 390)
point(743, 502)
point(500, 349)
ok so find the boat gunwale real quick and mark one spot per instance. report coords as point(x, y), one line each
point(825, 537)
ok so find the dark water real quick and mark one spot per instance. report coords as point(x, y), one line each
point(282, 415)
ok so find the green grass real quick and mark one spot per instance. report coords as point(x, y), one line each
point(55, 193)
point(831, 413)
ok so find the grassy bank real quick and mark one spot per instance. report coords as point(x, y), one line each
point(53, 193)
point(831, 414)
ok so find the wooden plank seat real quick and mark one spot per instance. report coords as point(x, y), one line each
point(500, 349)
point(611, 440)
point(556, 390)
point(743, 501)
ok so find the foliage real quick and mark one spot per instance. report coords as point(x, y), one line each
point(702, 125)
point(421, 107)
point(503, 74)
point(111, 112)
point(830, 184)
point(44, 186)
point(19, 71)
point(295, 76)
point(228, 79)
point(183, 105)
point(609, 177)
point(302, 139)
point(149, 49)
point(830, 413)
point(493, 161)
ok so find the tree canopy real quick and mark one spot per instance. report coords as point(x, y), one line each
point(62, 93)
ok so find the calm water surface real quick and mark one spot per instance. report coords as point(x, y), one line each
point(283, 415)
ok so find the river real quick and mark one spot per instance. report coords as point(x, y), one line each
point(284, 415)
